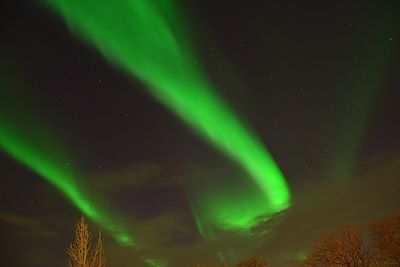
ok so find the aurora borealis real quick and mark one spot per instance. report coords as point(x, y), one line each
point(148, 39)
point(25, 135)
point(194, 131)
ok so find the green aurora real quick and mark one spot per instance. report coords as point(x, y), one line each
point(366, 82)
point(155, 263)
point(147, 39)
point(25, 136)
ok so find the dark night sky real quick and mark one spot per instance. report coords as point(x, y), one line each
point(295, 71)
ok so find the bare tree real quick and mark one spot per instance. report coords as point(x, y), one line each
point(80, 253)
point(346, 249)
point(213, 265)
point(98, 259)
point(385, 237)
point(249, 262)
point(252, 262)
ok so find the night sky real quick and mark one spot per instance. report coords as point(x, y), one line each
point(317, 81)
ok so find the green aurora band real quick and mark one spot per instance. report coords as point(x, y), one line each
point(365, 82)
point(155, 263)
point(25, 136)
point(147, 39)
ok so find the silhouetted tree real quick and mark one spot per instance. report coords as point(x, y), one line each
point(249, 262)
point(252, 262)
point(385, 240)
point(346, 249)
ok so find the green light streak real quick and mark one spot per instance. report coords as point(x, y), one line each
point(301, 256)
point(227, 202)
point(24, 135)
point(366, 81)
point(155, 263)
point(147, 39)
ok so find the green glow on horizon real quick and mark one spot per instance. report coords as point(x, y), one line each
point(25, 137)
point(147, 39)
point(301, 256)
point(155, 263)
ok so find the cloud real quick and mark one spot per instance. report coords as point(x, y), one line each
point(168, 231)
point(26, 241)
point(138, 174)
point(319, 207)
point(325, 206)
point(27, 227)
